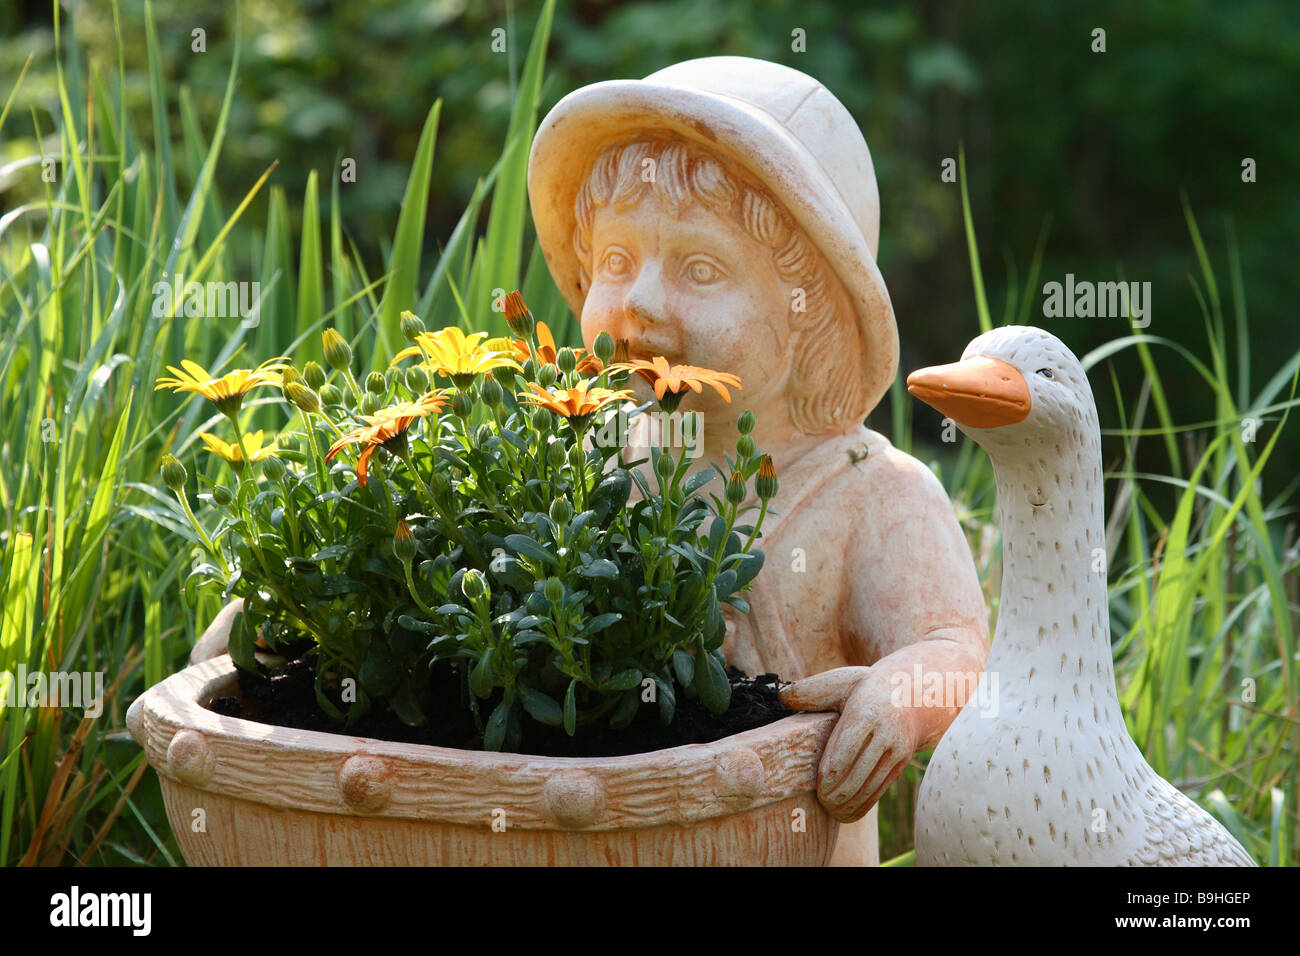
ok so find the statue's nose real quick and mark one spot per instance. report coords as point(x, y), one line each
point(644, 303)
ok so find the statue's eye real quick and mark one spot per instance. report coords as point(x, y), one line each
point(701, 271)
point(1046, 373)
point(616, 263)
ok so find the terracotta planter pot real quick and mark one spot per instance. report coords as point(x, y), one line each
point(278, 796)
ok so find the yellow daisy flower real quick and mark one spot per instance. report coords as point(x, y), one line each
point(233, 454)
point(227, 391)
point(459, 356)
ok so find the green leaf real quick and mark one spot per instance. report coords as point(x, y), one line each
point(541, 707)
point(626, 710)
point(522, 544)
point(495, 732)
point(481, 678)
point(711, 681)
point(747, 568)
point(666, 698)
point(624, 680)
point(311, 282)
point(599, 623)
point(570, 709)
point(600, 568)
point(698, 480)
point(407, 705)
point(241, 645)
point(379, 672)
point(684, 666)
point(404, 263)
point(717, 531)
point(715, 625)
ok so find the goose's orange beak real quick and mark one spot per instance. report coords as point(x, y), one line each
point(980, 392)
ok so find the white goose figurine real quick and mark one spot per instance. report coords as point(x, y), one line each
point(1052, 778)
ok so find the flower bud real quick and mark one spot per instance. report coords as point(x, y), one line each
point(530, 369)
point(736, 488)
point(337, 351)
point(603, 347)
point(566, 360)
point(547, 376)
point(273, 468)
point(518, 317)
point(474, 585)
point(561, 511)
point(746, 422)
point(505, 375)
point(766, 483)
point(541, 419)
point(417, 379)
point(665, 466)
point(491, 392)
point(313, 375)
point(222, 495)
point(554, 590)
point(555, 454)
point(375, 383)
point(371, 403)
point(745, 447)
point(290, 374)
point(404, 542)
point(330, 394)
point(173, 473)
point(462, 404)
point(412, 326)
point(439, 486)
point(302, 397)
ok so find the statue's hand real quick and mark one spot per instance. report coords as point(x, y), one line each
point(872, 741)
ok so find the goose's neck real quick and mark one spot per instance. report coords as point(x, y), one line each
point(1054, 603)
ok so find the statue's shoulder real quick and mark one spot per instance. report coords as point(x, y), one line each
point(867, 463)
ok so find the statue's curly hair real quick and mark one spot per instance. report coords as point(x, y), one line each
point(829, 388)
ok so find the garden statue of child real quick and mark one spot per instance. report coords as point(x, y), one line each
point(723, 213)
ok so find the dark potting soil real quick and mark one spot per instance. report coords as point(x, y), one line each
point(286, 697)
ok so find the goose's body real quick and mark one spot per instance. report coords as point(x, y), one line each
point(1050, 776)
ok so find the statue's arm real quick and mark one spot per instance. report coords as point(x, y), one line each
point(912, 607)
point(916, 607)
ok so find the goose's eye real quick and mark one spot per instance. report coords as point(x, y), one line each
point(1046, 373)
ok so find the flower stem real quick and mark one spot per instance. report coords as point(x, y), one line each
point(410, 586)
point(203, 535)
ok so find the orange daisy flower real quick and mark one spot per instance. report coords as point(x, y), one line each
point(387, 429)
point(577, 403)
point(671, 381)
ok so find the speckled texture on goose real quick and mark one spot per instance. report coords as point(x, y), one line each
point(1051, 777)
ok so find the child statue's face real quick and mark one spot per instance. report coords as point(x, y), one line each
point(696, 289)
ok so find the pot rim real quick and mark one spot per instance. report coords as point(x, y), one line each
point(346, 774)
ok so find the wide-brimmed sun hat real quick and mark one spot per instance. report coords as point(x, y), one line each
point(782, 126)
